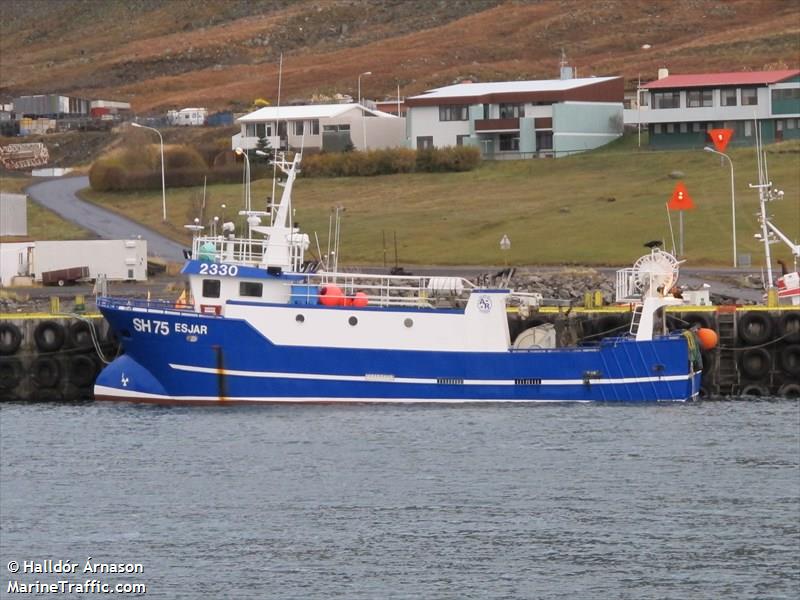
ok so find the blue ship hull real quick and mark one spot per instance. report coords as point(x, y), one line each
point(228, 361)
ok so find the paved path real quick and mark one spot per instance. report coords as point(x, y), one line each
point(59, 196)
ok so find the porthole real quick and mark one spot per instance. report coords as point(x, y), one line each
point(352, 321)
point(300, 318)
point(408, 322)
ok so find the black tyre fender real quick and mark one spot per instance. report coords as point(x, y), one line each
point(80, 334)
point(790, 359)
point(10, 373)
point(82, 370)
point(755, 362)
point(709, 361)
point(789, 326)
point(755, 389)
point(755, 327)
point(49, 336)
point(698, 319)
point(46, 372)
point(789, 390)
point(10, 338)
point(706, 392)
point(48, 395)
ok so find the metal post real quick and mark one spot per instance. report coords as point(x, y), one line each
point(733, 202)
point(680, 233)
point(163, 183)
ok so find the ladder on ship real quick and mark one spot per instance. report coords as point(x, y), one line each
point(636, 318)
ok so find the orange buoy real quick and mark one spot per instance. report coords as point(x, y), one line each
point(331, 295)
point(360, 300)
point(708, 338)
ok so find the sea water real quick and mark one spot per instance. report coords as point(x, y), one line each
point(698, 500)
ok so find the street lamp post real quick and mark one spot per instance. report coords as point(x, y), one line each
point(733, 200)
point(363, 119)
point(163, 185)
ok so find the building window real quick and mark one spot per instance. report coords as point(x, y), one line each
point(789, 123)
point(727, 97)
point(786, 94)
point(261, 130)
point(684, 127)
point(749, 97)
point(298, 127)
point(344, 127)
point(250, 288)
point(748, 129)
point(512, 111)
point(698, 98)
point(509, 142)
point(544, 140)
point(657, 128)
point(314, 126)
point(670, 128)
point(453, 112)
point(666, 100)
point(424, 142)
point(250, 130)
point(696, 127)
point(460, 139)
point(211, 288)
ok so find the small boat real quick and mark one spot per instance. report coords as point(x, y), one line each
point(262, 325)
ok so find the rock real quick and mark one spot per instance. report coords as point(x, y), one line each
point(677, 175)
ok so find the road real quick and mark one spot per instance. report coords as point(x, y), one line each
point(59, 196)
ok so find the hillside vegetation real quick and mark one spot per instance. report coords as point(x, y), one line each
point(223, 54)
point(596, 208)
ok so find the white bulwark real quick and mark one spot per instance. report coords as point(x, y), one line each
point(332, 127)
point(519, 119)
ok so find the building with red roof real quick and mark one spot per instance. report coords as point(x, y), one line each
point(679, 110)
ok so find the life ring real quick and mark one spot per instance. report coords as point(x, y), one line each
point(80, 334)
point(790, 359)
point(82, 370)
point(789, 390)
point(10, 373)
point(755, 362)
point(49, 336)
point(46, 372)
point(692, 319)
point(755, 327)
point(789, 326)
point(10, 338)
point(755, 389)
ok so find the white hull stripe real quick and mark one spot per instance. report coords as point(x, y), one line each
point(122, 394)
point(425, 381)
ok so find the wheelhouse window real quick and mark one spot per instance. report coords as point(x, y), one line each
point(251, 289)
point(512, 111)
point(727, 97)
point(453, 112)
point(666, 99)
point(699, 98)
point(749, 97)
point(211, 288)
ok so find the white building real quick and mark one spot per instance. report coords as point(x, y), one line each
point(13, 214)
point(321, 127)
point(519, 119)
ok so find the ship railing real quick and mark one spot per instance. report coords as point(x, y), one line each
point(162, 306)
point(242, 251)
point(396, 290)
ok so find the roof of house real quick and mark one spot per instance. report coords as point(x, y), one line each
point(721, 79)
point(306, 111)
point(461, 90)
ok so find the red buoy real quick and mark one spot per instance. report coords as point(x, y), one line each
point(360, 300)
point(331, 295)
point(708, 338)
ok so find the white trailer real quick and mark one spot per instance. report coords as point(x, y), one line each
point(117, 260)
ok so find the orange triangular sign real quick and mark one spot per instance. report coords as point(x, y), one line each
point(680, 198)
point(721, 137)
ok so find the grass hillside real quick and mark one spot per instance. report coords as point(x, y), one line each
point(596, 208)
point(223, 54)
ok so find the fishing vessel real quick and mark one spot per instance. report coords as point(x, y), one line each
point(262, 324)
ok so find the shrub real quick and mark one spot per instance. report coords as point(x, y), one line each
point(389, 161)
point(106, 176)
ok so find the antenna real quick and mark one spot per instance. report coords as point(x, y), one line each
point(277, 130)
